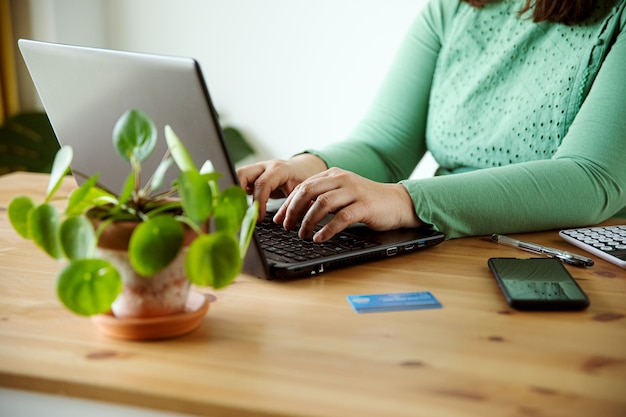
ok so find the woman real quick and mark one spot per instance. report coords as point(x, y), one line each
point(522, 105)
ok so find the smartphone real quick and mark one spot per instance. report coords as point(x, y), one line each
point(537, 284)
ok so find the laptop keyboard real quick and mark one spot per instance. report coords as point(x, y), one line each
point(286, 246)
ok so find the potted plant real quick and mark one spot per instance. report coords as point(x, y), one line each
point(118, 244)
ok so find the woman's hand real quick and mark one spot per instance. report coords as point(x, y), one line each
point(351, 198)
point(276, 178)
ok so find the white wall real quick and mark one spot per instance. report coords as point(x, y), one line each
point(291, 74)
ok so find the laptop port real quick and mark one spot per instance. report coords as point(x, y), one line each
point(392, 251)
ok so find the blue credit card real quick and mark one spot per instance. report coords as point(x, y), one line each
point(373, 303)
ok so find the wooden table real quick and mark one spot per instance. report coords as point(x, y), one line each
point(298, 349)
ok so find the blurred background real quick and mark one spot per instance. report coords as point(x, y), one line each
point(289, 74)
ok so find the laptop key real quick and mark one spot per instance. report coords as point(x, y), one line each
point(286, 245)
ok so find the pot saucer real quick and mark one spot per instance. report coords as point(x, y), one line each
point(155, 327)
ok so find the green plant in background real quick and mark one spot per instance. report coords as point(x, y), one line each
point(88, 285)
point(27, 143)
point(238, 147)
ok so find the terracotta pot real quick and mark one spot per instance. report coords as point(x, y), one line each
point(162, 294)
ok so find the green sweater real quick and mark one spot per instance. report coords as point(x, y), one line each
point(527, 121)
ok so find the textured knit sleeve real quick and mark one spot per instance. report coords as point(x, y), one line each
point(389, 142)
point(584, 182)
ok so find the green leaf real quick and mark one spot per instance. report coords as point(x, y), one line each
point(78, 239)
point(247, 228)
point(159, 173)
point(196, 196)
point(238, 147)
point(19, 210)
point(89, 286)
point(60, 168)
point(179, 152)
point(213, 260)
point(43, 225)
point(84, 197)
point(127, 190)
point(154, 244)
point(155, 208)
point(134, 134)
point(230, 209)
point(208, 170)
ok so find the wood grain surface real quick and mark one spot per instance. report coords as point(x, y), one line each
point(297, 348)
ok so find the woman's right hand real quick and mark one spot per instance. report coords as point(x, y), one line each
point(277, 178)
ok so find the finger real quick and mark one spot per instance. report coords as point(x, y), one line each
point(261, 194)
point(279, 216)
point(248, 174)
point(261, 180)
point(331, 202)
point(299, 201)
point(291, 193)
point(340, 220)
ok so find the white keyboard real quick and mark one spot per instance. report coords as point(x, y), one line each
point(608, 243)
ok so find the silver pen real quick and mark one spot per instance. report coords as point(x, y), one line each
point(567, 257)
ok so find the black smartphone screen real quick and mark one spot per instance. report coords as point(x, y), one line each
point(537, 284)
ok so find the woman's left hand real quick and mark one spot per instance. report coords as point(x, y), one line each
point(351, 199)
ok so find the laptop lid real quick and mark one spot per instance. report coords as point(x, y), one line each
point(85, 90)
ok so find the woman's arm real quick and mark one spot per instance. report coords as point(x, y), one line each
point(584, 183)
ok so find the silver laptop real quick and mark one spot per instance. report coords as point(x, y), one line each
point(85, 90)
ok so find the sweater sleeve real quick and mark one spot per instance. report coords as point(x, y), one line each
point(391, 138)
point(584, 183)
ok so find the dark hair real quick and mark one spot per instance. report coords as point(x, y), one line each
point(560, 11)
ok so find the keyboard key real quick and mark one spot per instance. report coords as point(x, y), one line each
point(607, 242)
point(286, 244)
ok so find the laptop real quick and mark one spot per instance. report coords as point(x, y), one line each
point(85, 90)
